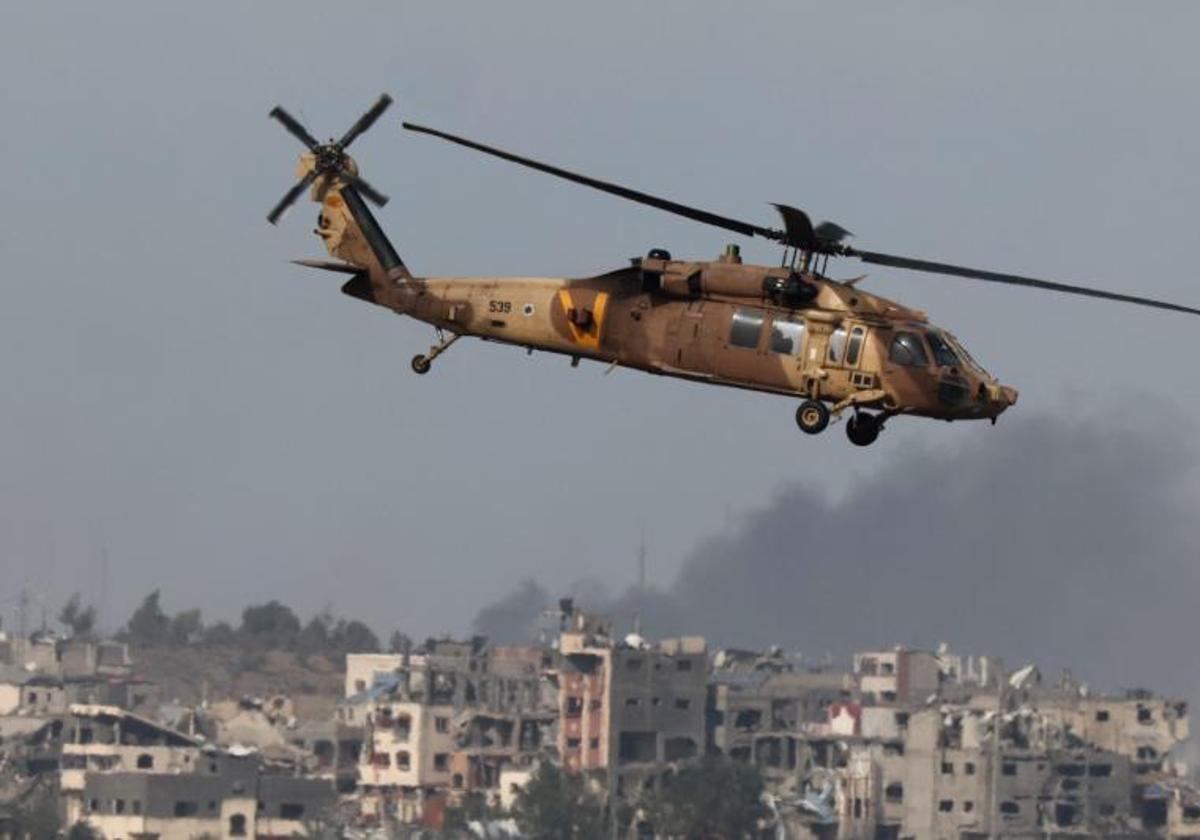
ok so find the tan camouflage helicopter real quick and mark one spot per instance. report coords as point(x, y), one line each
point(787, 329)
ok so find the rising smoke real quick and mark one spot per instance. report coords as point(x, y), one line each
point(1061, 543)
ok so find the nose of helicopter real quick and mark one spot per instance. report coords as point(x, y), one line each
point(1000, 397)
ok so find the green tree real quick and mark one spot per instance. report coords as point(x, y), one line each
point(186, 627)
point(353, 637)
point(715, 798)
point(399, 642)
point(558, 806)
point(473, 807)
point(220, 635)
point(314, 638)
point(82, 831)
point(38, 815)
point(149, 623)
point(80, 619)
point(271, 625)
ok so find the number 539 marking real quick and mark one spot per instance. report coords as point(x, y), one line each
point(499, 306)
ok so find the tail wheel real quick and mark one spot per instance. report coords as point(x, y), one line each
point(421, 364)
point(863, 429)
point(812, 417)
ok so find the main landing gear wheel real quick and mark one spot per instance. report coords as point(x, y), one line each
point(863, 428)
point(812, 417)
point(421, 364)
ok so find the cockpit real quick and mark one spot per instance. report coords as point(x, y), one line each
point(963, 387)
point(921, 348)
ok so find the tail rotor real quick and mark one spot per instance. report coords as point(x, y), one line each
point(330, 160)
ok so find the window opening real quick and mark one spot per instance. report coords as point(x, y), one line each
point(837, 343)
point(746, 328)
point(787, 337)
point(855, 345)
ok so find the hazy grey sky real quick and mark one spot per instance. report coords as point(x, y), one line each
point(230, 428)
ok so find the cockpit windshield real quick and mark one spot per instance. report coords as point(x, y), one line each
point(943, 353)
point(962, 352)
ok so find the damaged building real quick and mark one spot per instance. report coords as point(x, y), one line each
point(627, 707)
point(446, 721)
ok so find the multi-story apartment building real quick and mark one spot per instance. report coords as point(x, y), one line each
point(444, 722)
point(627, 707)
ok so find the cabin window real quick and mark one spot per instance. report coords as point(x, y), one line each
point(746, 328)
point(786, 337)
point(837, 344)
point(943, 353)
point(908, 350)
point(855, 345)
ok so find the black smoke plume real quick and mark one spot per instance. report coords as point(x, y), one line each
point(1055, 542)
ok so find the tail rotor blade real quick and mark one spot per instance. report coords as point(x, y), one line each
point(294, 128)
point(290, 197)
point(368, 192)
point(366, 120)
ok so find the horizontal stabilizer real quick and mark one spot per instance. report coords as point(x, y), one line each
point(330, 265)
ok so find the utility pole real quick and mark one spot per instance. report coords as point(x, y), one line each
point(641, 582)
point(22, 610)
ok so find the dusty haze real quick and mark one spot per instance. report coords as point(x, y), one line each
point(177, 397)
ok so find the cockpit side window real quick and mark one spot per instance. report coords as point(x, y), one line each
point(943, 354)
point(907, 349)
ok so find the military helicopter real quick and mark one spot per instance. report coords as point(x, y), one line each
point(785, 329)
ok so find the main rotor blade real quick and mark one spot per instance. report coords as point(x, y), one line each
point(692, 213)
point(366, 120)
point(291, 195)
point(362, 186)
point(293, 126)
point(1011, 279)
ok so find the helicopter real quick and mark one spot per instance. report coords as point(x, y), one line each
point(786, 329)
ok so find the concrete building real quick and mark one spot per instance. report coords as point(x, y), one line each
point(628, 707)
point(898, 675)
point(445, 721)
point(107, 739)
point(225, 797)
point(766, 713)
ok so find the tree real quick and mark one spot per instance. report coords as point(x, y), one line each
point(399, 642)
point(220, 635)
point(271, 625)
point(186, 627)
point(353, 637)
point(37, 815)
point(83, 831)
point(80, 619)
point(149, 623)
point(314, 638)
point(715, 798)
point(558, 806)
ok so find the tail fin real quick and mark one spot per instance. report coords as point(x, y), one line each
point(351, 233)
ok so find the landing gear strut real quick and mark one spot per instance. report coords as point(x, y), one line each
point(863, 428)
point(812, 417)
point(422, 363)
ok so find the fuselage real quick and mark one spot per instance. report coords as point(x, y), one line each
point(845, 346)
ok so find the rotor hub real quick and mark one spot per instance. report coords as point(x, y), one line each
point(329, 157)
